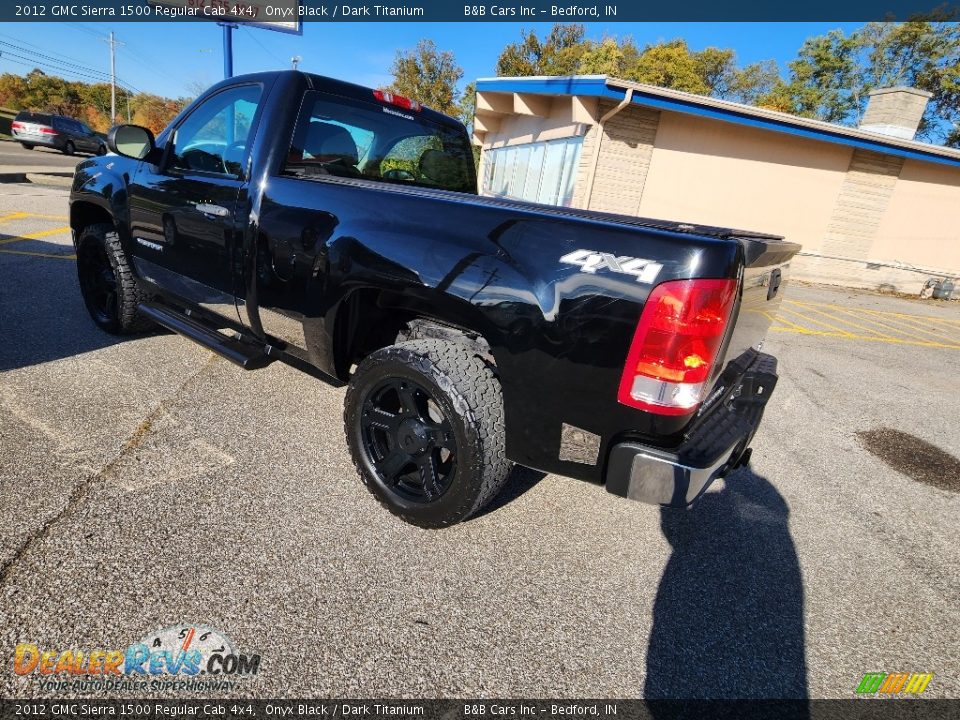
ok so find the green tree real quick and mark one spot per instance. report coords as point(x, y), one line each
point(429, 76)
point(833, 74)
point(567, 51)
point(558, 54)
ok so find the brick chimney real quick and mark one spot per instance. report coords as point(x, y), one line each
point(895, 111)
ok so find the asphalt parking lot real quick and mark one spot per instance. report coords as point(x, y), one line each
point(146, 483)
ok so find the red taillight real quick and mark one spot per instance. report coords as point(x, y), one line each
point(44, 130)
point(16, 125)
point(676, 344)
point(398, 100)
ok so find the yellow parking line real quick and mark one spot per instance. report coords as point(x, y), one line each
point(847, 322)
point(916, 326)
point(62, 218)
point(841, 320)
point(59, 256)
point(897, 330)
point(869, 338)
point(949, 322)
point(787, 325)
point(818, 322)
point(37, 235)
point(920, 319)
point(14, 216)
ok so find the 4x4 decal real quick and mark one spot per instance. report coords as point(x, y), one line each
point(589, 261)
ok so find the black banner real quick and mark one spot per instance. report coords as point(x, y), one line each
point(277, 12)
point(853, 709)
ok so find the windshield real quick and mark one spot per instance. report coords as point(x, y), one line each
point(354, 139)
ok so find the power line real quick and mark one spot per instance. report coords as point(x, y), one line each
point(264, 47)
point(84, 28)
point(7, 54)
point(80, 71)
point(72, 66)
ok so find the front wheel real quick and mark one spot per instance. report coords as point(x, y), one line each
point(109, 289)
point(425, 426)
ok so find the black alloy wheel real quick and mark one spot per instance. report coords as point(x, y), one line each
point(424, 421)
point(109, 289)
point(409, 442)
point(98, 283)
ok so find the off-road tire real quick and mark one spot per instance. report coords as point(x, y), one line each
point(468, 394)
point(126, 319)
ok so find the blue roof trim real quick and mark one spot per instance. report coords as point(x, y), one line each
point(597, 87)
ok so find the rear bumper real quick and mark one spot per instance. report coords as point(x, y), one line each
point(30, 139)
point(718, 444)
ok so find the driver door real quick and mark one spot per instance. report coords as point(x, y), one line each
point(185, 225)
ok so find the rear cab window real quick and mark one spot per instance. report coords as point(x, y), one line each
point(349, 138)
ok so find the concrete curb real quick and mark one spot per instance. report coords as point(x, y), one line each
point(63, 179)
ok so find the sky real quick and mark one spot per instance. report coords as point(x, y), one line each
point(175, 60)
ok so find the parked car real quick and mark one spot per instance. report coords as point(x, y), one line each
point(65, 134)
point(292, 217)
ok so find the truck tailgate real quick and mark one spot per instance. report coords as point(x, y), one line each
point(767, 260)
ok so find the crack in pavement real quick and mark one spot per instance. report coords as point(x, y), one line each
point(84, 488)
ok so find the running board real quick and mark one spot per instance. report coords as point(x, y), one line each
point(244, 354)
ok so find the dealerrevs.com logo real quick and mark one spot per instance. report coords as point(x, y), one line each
point(181, 657)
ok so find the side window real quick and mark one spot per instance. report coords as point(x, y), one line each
point(215, 136)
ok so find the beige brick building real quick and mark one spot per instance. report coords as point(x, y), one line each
point(870, 206)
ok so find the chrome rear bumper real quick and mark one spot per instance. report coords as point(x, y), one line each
point(719, 443)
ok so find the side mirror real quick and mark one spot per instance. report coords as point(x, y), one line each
point(132, 141)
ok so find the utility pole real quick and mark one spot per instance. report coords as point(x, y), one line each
point(295, 60)
point(114, 44)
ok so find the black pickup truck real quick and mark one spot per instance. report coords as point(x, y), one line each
point(290, 217)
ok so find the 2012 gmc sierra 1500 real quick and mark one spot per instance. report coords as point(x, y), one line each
point(290, 217)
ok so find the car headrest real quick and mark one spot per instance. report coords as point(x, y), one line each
point(442, 168)
point(328, 143)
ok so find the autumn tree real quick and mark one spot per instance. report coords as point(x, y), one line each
point(89, 102)
point(429, 76)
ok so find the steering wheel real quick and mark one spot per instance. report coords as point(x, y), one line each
point(398, 174)
point(233, 155)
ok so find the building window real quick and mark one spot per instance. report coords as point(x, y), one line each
point(541, 172)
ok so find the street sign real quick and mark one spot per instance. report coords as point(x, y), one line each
point(279, 15)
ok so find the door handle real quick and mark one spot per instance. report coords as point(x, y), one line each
point(215, 210)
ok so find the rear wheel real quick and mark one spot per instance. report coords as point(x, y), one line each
point(101, 149)
point(107, 284)
point(27, 146)
point(69, 148)
point(424, 423)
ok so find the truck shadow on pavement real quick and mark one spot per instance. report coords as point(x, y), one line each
point(728, 615)
point(42, 316)
point(520, 480)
